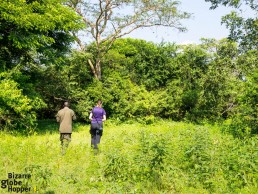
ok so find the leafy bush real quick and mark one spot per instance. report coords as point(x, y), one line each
point(197, 157)
point(122, 99)
point(244, 122)
point(17, 111)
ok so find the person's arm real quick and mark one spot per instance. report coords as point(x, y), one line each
point(74, 116)
point(104, 115)
point(57, 118)
point(90, 117)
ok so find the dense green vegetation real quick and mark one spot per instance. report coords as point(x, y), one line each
point(206, 93)
point(214, 81)
point(210, 82)
point(166, 157)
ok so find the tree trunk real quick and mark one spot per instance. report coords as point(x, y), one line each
point(96, 70)
point(93, 69)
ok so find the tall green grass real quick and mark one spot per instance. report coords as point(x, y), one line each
point(165, 157)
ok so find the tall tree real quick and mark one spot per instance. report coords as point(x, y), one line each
point(242, 29)
point(108, 20)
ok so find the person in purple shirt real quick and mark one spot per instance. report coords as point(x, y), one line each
point(97, 117)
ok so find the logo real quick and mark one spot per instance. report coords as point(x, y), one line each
point(14, 183)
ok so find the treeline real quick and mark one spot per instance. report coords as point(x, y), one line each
point(211, 82)
point(141, 80)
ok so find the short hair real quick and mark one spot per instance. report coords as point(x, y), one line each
point(66, 104)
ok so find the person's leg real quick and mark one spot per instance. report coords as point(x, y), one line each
point(95, 146)
point(62, 143)
point(65, 140)
point(94, 132)
point(93, 137)
point(98, 136)
point(93, 141)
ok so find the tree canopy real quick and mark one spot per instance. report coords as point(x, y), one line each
point(108, 20)
point(35, 30)
point(243, 29)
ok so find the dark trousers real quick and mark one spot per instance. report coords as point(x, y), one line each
point(96, 134)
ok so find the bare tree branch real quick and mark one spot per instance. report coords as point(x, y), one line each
point(79, 42)
point(108, 20)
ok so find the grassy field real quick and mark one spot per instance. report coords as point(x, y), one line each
point(165, 157)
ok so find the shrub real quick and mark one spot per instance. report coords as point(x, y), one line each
point(16, 109)
point(244, 121)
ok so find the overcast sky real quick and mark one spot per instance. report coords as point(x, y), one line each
point(205, 23)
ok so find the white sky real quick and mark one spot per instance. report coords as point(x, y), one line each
point(205, 23)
